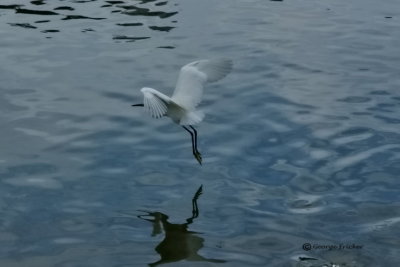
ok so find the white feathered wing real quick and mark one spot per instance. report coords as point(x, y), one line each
point(192, 77)
point(188, 91)
point(155, 103)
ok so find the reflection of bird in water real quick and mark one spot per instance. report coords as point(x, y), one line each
point(181, 106)
point(179, 243)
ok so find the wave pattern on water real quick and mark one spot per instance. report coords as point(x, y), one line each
point(114, 12)
point(300, 142)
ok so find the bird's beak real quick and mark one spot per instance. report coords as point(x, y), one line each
point(138, 105)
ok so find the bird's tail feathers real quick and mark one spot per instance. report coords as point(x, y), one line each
point(192, 118)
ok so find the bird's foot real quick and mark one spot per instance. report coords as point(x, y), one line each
point(197, 155)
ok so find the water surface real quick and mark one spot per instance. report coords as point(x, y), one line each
point(300, 142)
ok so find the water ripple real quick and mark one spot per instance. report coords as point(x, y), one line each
point(28, 12)
point(300, 142)
point(35, 12)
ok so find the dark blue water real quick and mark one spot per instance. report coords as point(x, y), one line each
point(300, 143)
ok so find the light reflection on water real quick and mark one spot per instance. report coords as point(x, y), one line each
point(300, 143)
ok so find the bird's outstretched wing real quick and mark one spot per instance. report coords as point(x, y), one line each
point(155, 103)
point(193, 76)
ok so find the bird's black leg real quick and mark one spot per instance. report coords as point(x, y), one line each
point(191, 134)
point(196, 153)
point(195, 137)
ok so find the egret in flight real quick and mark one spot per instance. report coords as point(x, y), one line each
point(181, 106)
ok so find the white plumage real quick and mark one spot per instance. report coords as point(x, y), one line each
point(181, 107)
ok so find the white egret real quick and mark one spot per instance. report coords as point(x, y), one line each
point(181, 106)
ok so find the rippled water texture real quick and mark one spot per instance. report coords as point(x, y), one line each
point(300, 143)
